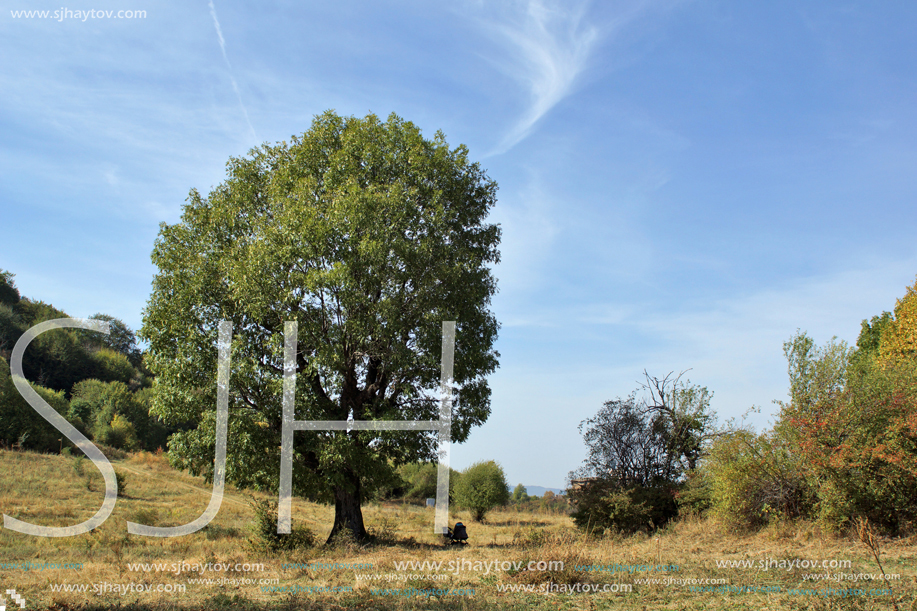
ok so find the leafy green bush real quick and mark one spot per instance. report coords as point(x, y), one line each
point(754, 478)
point(855, 426)
point(113, 366)
point(696, 494)
point(861, 451)
point(480, 488)
point(116, 416)
point(601, 505)
point(419, 480)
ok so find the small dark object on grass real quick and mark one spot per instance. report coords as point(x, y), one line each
point(457, 536)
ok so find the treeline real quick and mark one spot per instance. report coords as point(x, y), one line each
point(549, 503)
point(842, 450)
point(478, 489)
point(96, 381)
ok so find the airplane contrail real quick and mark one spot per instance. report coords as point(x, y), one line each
point(235, 86)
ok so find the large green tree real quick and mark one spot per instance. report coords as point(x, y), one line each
point(369, 236)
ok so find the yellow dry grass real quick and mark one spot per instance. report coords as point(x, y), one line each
point(50, 490)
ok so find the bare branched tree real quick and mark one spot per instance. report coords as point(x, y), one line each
point(649, 441)
point(681, 412)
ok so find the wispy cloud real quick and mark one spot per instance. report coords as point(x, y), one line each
point(549, 44)
point(235, 86)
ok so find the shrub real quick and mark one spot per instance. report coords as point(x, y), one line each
point(121, 480)
point(606, 505)
point(861, 452)
point(419, 480)
point(264, 530)
point(112, 366)
point(96, 403)
point(480, 488)
point(696, 494)
point(858, 440)
point(754, 478)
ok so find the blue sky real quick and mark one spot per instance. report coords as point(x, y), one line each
point(682, 184)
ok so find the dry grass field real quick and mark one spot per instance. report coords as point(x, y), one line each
point(682, 559)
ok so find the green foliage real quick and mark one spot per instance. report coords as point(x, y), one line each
point(696, 495)
point(851, 424)
point(151, 431)
point(640, 455)
point(117, 433)
point(60, 358)
point(624, 446)
point(640, 508)
point(11, 329)
point(368, 236)
point(9, 294)
point(549, 503)
point(754, 478)
point(120, 339)
point(20, 424)
point(419, 480)
point(680, 415)
point(651, 442)
point(860, 448)
point(899, 336)
point(56, 363)
point(871, 334)
point(121, 480)
point(264, 530)
point(113, 366)
point(116, 416)
point(817, 375)
point(520, 495)
point(480, 488)
point(601, 505)
point(55, 359)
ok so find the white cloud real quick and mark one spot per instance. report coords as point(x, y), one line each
point(110, 174)
point(530, 228)
point(548, 44)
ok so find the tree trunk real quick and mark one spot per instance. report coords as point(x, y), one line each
point(347, 512)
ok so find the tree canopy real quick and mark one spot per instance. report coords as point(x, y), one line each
point(650, 441)
point(481, 487)
point(899, 336)
point(368, 236)
point(641, 451)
